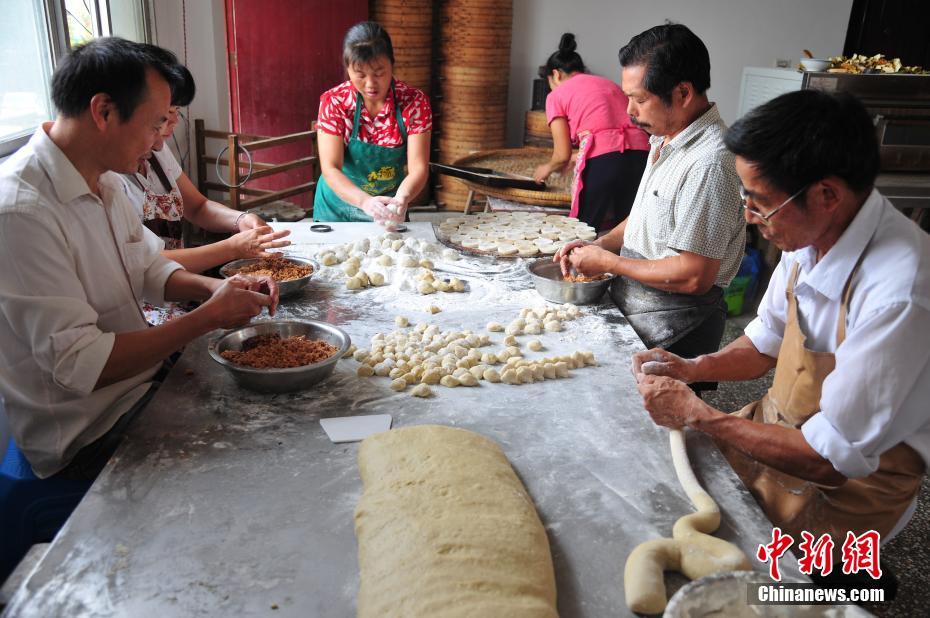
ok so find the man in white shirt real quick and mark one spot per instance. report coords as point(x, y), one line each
point(684, 239)
point(840, 442)
point(76, 353)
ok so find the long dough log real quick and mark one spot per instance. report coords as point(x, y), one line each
point(691, 550)
point(445, 528)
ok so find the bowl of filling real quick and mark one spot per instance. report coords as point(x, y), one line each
point(280, 356)
point(577, 289)
point(291, 273)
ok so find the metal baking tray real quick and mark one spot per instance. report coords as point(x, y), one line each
point(489, 178)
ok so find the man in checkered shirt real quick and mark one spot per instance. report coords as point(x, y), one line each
point(684, 239)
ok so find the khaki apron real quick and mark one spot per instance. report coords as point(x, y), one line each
point(875, 502)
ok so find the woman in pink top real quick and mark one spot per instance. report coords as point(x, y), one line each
point(590, 111)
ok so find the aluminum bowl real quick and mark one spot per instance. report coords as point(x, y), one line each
point(547, 277)
point(281, 380)
point(285, 288)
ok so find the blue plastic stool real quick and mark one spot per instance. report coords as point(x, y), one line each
point(32, 510)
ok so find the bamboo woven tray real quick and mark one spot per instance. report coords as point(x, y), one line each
point(521, 161)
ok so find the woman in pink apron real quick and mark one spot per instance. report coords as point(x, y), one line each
point(590, 111)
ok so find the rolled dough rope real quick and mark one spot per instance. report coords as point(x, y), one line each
point(691, 550)
point(445, 528)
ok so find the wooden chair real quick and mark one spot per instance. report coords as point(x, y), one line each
point(238, 160)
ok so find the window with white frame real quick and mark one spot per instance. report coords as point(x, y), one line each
point(34, 34)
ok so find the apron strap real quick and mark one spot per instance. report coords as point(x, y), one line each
point(160, 172)
point(844, 306)
point(358, 114)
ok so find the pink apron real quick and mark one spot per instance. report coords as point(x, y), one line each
point(585, 148)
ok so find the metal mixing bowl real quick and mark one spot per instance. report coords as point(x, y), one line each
point(281, 380)
point(547, 277)
point(285, 288)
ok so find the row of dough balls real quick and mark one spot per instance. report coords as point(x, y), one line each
point(428, 356)
point(376, 247)
point(535, 320)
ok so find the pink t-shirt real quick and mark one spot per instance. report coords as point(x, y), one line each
point(592, 103)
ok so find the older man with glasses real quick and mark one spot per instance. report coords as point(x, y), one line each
point(840, 442)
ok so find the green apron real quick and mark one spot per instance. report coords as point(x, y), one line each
point(376, 170)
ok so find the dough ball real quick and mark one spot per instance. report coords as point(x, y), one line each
point(329, 259)
point(467, 379)
point(457, 285)
point(354, 283)
point(449, 381)
point(535, 345)
point(422, 390)
point(553, 326)
point(509, 376)
point(375, 278)
point(364, 371)
point(401, 322)
point(350, 269)
point(408, 261)
point(385, 260)
point(511, 340)
point(396, 245)
point(426, 263)
point(398, 384)
point(533, 328)
point(360, 355)
point(431, 376)
point(491, 375)
point(525, 375)
point(495, 327)
point(425, 287)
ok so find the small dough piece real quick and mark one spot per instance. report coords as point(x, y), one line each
point(363, 278)
point(525, 375)
point(426, 263)
point(398, 384)
point(329, 259)
point(375, 278)
point(533, 328)
point(516, 327)
point(364, 371)
point(408, 261)
point(553, 326)
point(425, 287)
point(360, 355)
point(467, 379)
point(491, 375)
point(433, 309)
point(511, 340)
point(353, 283)
point(457, 285)
point(396, 245)
point(422, 390)
point(535, 345)
point(350, 269)
point(385, 260)
point(401, 322)
point(449, 381)
point(495, 327)
point(432, 376)
point(509, 376)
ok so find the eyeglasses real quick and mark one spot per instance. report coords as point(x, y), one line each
point(765, 218)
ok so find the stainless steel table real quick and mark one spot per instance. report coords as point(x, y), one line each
point(227, 502)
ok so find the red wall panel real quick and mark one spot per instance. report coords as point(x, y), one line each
point(282, 54)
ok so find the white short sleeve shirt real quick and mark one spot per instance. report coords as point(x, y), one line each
point(75, 266)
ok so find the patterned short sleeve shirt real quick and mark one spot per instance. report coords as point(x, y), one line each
point(337, 112)
point(688, 199)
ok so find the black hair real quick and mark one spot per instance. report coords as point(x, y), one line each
point(801, 137)
point(181, 80)
point(671, 54)
point(366, 41)
point(109, 65)
point(565, 59)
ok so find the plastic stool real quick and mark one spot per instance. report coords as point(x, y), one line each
point(32, 510)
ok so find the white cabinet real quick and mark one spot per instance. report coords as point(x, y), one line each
point(762, 84)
